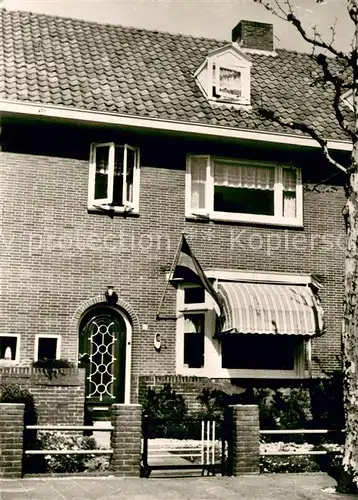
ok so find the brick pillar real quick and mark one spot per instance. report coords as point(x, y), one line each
point(126, 439)
point(11, 439)
point(245, 440)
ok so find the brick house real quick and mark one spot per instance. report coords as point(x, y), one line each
point(115, 141)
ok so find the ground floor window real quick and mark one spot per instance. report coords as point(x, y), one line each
point(258, 352)
point(194, 334)
point(9, 349)
point(201, 350)
point(47, 347)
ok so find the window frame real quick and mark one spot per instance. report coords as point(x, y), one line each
point(107, 203)
point(212, 367)
point(15, 361)
point(208, 211)
point(243, 69)
point(183, 310)
point(41, 336)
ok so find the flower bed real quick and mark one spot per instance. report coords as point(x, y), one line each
point(294, 463)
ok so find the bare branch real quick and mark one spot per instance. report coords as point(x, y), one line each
point(292, 18)
point(353, 10)
point(302, 127)
point(318, 43)
point(338, 85)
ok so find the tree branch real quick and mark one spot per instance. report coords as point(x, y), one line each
point(338, 85)
point(292, 18)
point(353, 10)
point(302, 127)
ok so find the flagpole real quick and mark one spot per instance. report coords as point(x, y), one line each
point(173, 266)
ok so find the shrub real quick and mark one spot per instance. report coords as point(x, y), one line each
point(278, 408)
point(14, 393)
point(47, 440)
point(169, 409)
point(291, 408)
point(327, 401)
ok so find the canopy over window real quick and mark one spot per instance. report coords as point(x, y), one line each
point(260, 308)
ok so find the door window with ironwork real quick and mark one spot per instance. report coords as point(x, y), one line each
point(102, 353)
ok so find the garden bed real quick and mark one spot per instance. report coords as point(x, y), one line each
point(295, 463)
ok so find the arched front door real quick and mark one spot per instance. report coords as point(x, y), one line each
point(102, 346)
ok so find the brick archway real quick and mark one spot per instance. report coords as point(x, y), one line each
point(131, 319)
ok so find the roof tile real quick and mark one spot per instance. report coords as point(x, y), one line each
point(69, 62)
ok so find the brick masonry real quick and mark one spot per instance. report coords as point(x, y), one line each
point(57, 257)
point(58, 400)
point(11, 439)
point(126, 439)
point(253, 35)
point(244, 446)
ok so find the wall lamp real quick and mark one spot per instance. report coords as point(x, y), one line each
point(111, 296)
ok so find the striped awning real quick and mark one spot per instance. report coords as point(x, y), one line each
point(271, 309)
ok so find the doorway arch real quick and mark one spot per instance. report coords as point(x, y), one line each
point(104, 351)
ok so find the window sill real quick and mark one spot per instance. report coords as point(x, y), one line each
point(239, 104)
point(113, 211)
point(4, 363)
point(247, 219)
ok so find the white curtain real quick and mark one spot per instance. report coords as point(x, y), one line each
point(289, 179)
point(289, 192)
point(193, 323)
point(230, 81)
point(102, 158)
point(242, 176)
point(198, 182)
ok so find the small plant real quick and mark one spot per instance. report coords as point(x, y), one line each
point(276, 465)
point(51, 367)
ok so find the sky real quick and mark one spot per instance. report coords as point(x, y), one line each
point(207, 18)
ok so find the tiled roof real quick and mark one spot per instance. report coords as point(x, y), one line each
point(89, 66)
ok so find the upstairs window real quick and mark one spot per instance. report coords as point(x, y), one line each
point(226, 189)
point(114, 177)
point(224, 77)
point(227, 82)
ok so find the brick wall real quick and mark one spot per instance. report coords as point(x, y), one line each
point(58, 400)
point(56, 255)
point(126, 439)
point(11, 439)
point(244, 445)
point(253, 35)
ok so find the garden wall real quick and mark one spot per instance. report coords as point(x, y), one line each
point(59, 396)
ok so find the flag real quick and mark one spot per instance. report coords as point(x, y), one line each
point(186, 267)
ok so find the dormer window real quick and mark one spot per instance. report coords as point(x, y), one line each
point(225, 76)
point(226, 82)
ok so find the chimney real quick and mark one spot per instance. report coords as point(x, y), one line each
point(253, 35)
